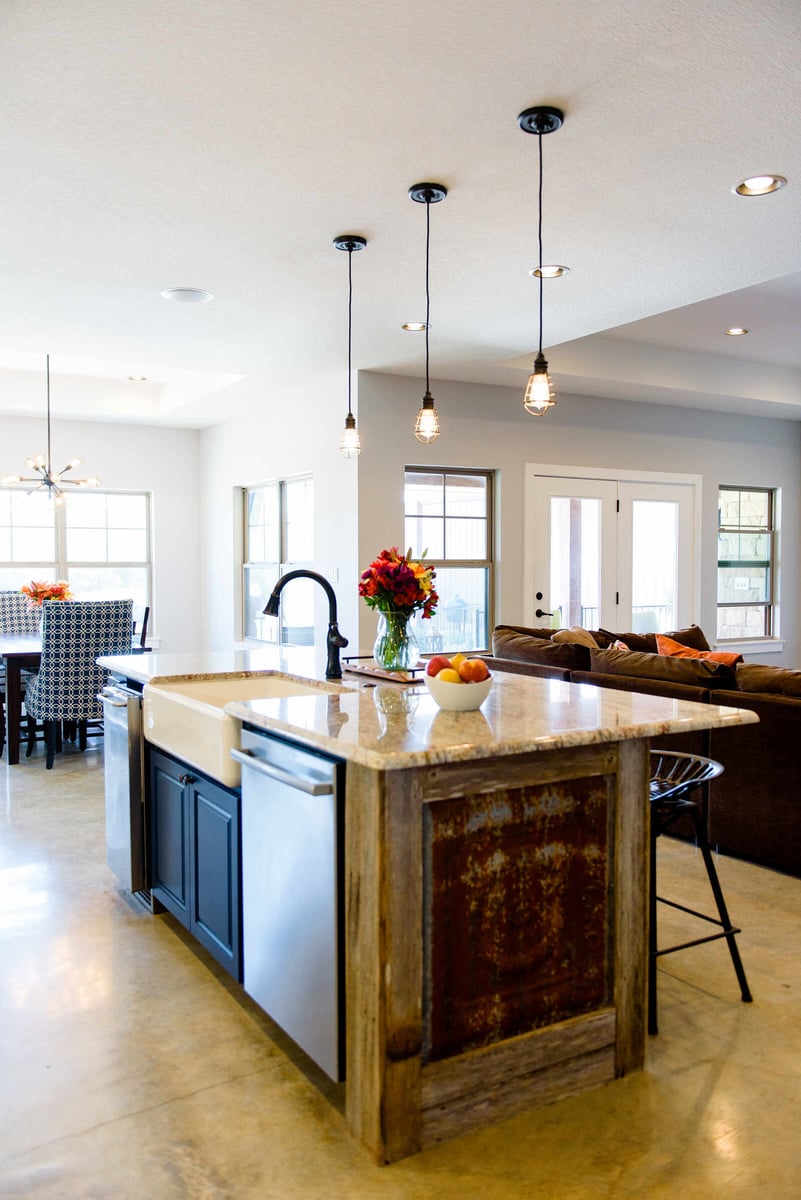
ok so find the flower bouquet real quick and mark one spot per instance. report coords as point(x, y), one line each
point(37, 591)
point(397, 587)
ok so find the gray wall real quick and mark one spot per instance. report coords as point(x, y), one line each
point(487, 427)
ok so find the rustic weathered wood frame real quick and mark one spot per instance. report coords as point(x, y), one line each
point(395, 1103)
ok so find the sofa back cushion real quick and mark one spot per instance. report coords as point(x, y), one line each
point(780, 681)
point(695, 672)
point(516, 642)
point(692, 636)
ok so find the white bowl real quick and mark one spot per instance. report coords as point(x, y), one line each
point(458, 697)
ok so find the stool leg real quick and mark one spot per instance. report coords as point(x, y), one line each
point(652, 943)
point(717, 892)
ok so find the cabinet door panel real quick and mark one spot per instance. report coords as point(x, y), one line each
point(215, 912)
point(170, 834)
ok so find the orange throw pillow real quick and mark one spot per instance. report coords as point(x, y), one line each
point(667, 646)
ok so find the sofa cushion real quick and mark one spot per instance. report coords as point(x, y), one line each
point(516, 642)
point(693, 671)
point(756, 677)
point(673, 649)
point(575, 636)
point(692, 636)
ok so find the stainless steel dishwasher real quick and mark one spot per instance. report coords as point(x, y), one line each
point(125, 789)
point(292, 883)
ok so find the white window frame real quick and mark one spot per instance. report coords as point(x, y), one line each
point(281, 565)
point(487, 564)
point(769, 642)
point(60, 565)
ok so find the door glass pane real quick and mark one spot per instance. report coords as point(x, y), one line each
point(460, 622)
point(654, 565)
point(575, 561)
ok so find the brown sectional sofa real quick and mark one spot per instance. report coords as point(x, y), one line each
point(755, 806)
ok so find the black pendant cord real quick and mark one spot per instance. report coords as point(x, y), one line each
point(48, 416)
point(350, 318)
point(428, 294)
point(539, 236)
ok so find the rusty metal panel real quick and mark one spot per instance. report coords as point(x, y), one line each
point(516, 912)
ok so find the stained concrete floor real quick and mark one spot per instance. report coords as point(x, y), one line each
point(131, 1066)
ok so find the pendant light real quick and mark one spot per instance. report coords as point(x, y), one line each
point(46, 478)
point(350, 444)
point(427, 425)
point(538, 397)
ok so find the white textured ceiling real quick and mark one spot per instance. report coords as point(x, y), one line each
point(155, 143)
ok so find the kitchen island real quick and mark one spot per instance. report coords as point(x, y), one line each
point(495, 888)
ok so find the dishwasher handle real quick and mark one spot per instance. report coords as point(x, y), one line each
point(312, 787)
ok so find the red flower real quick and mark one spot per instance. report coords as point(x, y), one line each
point(394, 581)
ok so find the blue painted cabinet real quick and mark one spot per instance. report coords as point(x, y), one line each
point(196, 856)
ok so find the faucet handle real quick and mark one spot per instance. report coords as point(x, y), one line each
point(335, 638)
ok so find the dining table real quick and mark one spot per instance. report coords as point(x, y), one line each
point(19, 652)
point(23, 652)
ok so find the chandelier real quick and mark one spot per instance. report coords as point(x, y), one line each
point(46, 479)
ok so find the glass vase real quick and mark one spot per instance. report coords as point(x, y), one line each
point(396, 647)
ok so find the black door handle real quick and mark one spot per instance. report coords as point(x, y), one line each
point(541, 613)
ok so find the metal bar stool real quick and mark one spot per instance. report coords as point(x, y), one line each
point(673, 789)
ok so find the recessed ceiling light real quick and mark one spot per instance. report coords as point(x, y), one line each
point(760, 185)
point(415, 326)
point(187, 295)
point(549, 271)
point(735, 331)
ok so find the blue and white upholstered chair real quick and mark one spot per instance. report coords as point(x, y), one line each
point(74, 634)
point(16, 619)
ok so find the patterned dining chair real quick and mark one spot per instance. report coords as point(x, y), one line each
point(74, 634)
point(15, 618)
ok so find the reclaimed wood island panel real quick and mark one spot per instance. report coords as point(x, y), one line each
point(496, 867)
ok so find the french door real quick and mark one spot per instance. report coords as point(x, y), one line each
point(616, 550)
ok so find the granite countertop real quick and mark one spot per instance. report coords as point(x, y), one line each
point(390, 726)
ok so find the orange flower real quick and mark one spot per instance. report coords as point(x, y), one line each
point(37, 591)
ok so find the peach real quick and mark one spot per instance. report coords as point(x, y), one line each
point(473, 670)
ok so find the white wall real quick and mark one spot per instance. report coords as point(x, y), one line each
point(293, 427)
point(487, 427)
point(135, 458)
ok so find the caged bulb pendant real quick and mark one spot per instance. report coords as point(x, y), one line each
point(350, 444)
point(426, 428)
point(538, 396)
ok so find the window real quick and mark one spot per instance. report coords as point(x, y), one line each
point(278, 524)
point(98, 541)
point(746, 562)
point(448, 514)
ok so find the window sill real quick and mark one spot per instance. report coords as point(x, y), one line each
point(752, 646)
